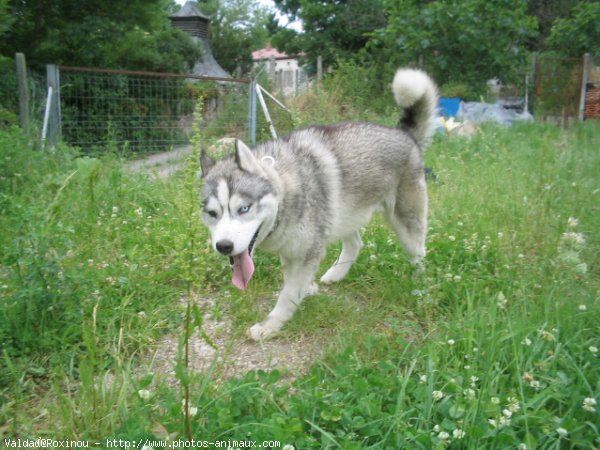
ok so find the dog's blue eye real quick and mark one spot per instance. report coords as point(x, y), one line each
point(244, 209)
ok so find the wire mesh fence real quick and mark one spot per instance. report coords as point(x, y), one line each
point(9, 95)
point(145, 112)
point(142, 112)
point(557, 87)
point(9, 99)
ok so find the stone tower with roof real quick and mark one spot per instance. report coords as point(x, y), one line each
point(195, 23)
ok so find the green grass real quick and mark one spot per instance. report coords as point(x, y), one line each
point(494, 346)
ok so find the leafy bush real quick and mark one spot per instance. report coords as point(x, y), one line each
point(82, 239)
point(8, 92)
point(467, 42)
point(578, 34)
point(362, 85)
point(462, 90)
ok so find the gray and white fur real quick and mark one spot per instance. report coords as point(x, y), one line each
point(296, 195)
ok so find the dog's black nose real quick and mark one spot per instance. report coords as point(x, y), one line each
point(225, 246)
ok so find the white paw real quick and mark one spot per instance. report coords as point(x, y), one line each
point(333, 275)
point(265, 329)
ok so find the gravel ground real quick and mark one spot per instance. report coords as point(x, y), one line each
point(161, 165)
point(233, 357)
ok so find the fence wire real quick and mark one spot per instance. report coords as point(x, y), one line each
point(9, 95)
point(146, 112)
point(558, 87)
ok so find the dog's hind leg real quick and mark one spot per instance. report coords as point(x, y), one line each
point(408, 218)
point(298, 282)
point(351, 246)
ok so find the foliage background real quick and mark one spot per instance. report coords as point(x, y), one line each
point(461, 42)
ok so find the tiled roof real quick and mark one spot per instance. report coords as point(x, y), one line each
point(267, 53)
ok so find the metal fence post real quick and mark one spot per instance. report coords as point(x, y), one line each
point(23, 91)
point(54, 119)
point(584, 79)
point(252, 111)
point(265, 110)
point(319, 68)
point(534, 75)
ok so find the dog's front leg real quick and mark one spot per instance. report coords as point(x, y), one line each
point(298, 282)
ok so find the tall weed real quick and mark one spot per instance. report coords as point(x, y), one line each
point(90, 265)
point(494, 346)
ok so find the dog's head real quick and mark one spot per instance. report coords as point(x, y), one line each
point(239, 206)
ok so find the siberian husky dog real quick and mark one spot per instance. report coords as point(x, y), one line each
point(295, 195)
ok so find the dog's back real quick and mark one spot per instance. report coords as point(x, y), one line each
point(318, 185)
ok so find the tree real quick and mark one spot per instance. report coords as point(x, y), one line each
point(465, 41)
point(8, 98)
point(164, 50)
point(238, 27)
point(6, 20)
point(579, 33)
point(546, 12)
point(333, 29)
point(98, 33)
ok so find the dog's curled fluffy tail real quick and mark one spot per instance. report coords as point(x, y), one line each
point(416, 93)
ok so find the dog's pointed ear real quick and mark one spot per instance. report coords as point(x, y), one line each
point(246, 160)
point(206, 162)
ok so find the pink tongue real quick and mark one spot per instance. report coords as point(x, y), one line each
point(243, 269)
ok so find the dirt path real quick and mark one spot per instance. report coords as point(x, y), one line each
point(233, 357)
point(161, 165)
